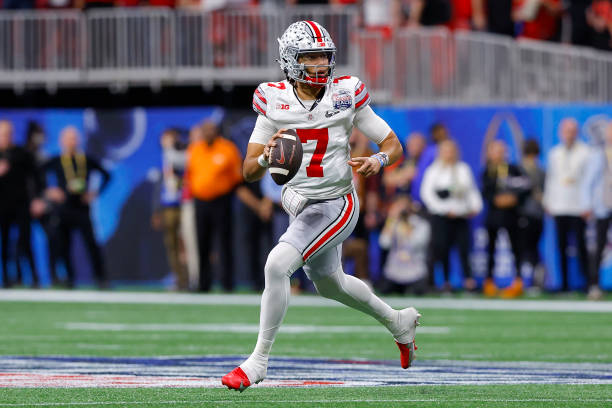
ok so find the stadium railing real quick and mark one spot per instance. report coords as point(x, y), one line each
point(124, 47)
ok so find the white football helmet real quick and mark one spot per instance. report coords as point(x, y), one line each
point(300, 38)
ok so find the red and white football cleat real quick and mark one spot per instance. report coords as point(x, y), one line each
point(409, 318)
point(236, 380)
point(406, 353)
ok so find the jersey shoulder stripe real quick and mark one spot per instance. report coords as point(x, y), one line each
point(362, 96)
point(260, 103)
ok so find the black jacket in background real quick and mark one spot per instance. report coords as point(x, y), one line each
point(20, 184)
point(54, 166)
point(516, 183)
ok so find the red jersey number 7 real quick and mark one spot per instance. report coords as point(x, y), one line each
point(314, 168)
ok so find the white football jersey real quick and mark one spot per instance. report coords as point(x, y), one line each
point(324, 132)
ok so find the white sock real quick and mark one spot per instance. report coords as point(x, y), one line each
point(282, 261)
point(352, 292)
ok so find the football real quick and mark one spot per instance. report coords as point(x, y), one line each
point(286, 157)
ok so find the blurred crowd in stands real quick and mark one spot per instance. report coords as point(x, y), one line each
point(420, 208)
point(580, 22)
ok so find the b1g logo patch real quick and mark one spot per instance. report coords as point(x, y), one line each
point(342, 100)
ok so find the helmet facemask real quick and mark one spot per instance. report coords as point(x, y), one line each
point(314, 78)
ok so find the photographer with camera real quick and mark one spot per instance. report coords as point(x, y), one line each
point(452, 197)
point(406, 235)
point(167, 203)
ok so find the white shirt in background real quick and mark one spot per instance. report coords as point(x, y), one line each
point(377, 13)
point(464, 197)
point(564, 178)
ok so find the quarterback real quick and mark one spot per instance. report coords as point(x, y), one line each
point(320, 199)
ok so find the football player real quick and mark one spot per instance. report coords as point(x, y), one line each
point(320, 199)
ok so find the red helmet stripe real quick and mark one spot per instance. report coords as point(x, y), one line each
point(315, 30)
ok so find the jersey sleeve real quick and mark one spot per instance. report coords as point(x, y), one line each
point(260, 103)
point(370, 124)
point(262, 132)
point(362, 96)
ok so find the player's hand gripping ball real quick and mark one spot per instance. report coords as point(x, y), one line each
point(286, 157)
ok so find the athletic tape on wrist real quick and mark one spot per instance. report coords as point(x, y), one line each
point(261, 160)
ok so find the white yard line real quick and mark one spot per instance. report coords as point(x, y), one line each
point(79, 296)
point(235, 328)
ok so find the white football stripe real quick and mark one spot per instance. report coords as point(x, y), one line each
point(290, 137)
point(277, 170)
point(237, 328)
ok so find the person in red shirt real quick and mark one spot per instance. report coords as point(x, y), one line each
point(540, 18)
point(599, 17)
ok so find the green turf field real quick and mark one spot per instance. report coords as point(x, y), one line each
point(154, 330)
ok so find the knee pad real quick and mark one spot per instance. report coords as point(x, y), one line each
point(282, 261)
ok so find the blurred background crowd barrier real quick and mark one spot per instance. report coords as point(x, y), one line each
point(415, 65)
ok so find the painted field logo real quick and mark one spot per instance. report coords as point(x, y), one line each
point(196, 372)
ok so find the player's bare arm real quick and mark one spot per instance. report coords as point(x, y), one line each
point(368, 166)
point(258, 154)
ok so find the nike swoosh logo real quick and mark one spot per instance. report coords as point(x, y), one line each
point(329, 114)
point(282, 159)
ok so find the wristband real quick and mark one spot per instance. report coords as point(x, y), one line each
point(382, 157)
point(261, 160)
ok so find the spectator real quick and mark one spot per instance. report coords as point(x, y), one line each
point(380, 17)
point(564, 181)
point(188, 220)
point(465, 16)
point(581, 32)
point(17, 188)
point(398, 178)
point(599, 18)
point(167, 201)
point(73, 194)
point(438, 134)
point(45, 211)
point(128, 3)
point(429, 12)
point(279, 223)
point(451, 196)
point(504, 187)
point(598, 198)
point(531, 212)
point(499, 15)
point(406, 236)
point(18, 4)
point(540, 18)
point(162, 3)
point(356, 246)
point(213, 173)
point(89, 4)
point(257, 225)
